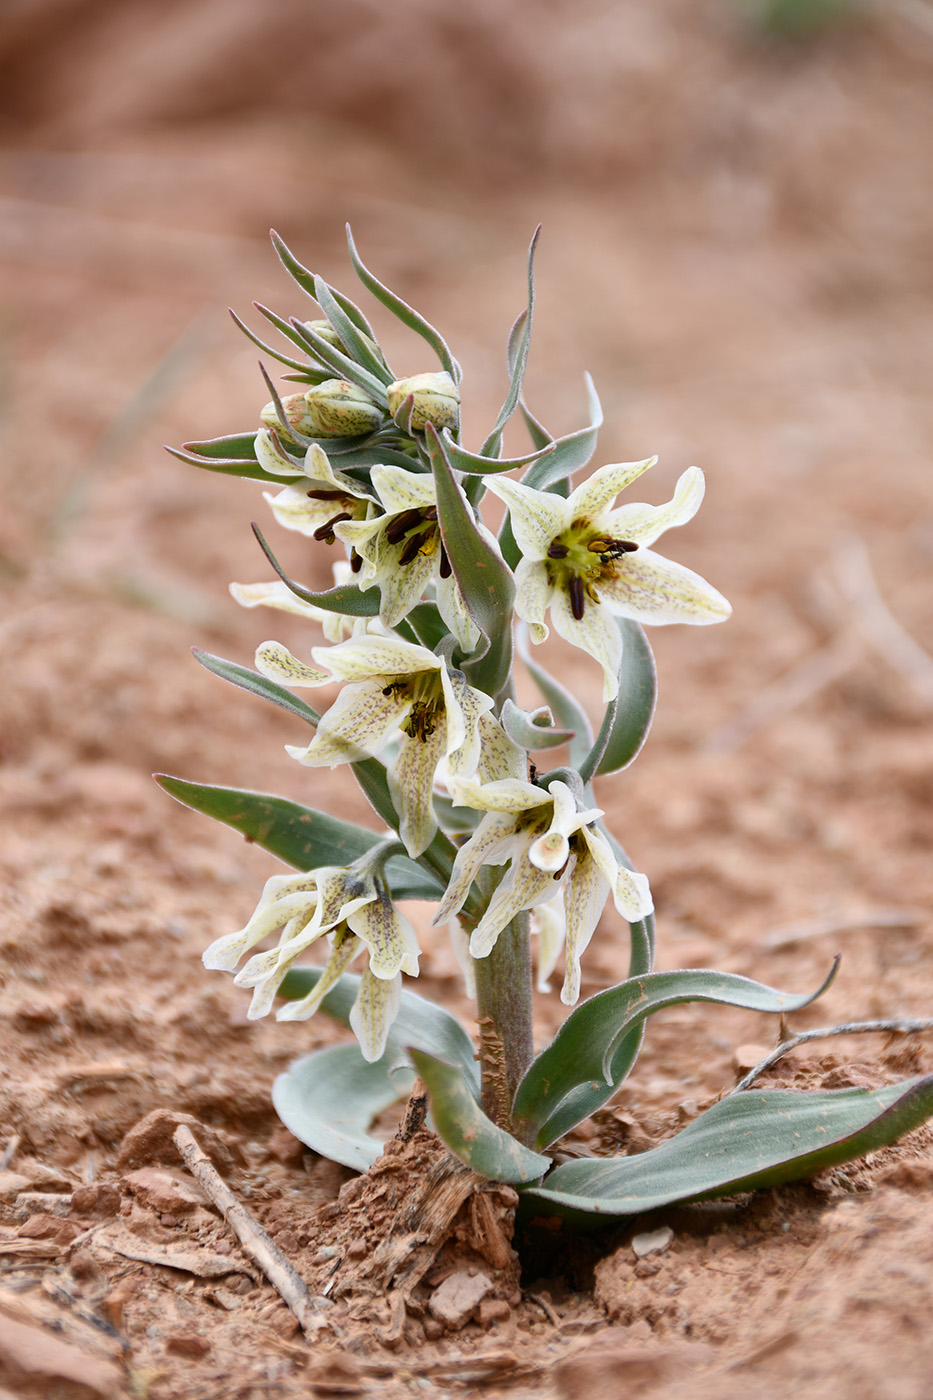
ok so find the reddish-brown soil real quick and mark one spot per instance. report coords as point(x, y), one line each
point(737, 246)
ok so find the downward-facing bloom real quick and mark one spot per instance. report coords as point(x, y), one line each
point(586, 561)
point(352, 908)
point(335, 626)
point(393, 688)
point(547, 838)
point(317, 497)
point(402, 551)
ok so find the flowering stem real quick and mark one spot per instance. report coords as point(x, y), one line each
point(504, 1012)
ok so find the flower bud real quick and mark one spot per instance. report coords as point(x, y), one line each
point(436, 400)
point(334, 409)
point(326, 331)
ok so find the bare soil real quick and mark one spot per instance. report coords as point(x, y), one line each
point(737, 246)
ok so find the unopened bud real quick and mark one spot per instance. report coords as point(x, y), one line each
point(436, 400)
point(334, 409)
point(326, 331)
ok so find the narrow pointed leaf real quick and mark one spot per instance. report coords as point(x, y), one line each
point(404, 313)
point(519, 346)
point(309, 372)
point(748, 1140)
point(628, 717)
point(299, 836)
point(583, 1051)
point(349, 333)
point(330, 1098)
point(569, 453)
point(485, 579)
point(567, 711)
point(257, 684)
point(233, 445)
point(346, 598)
point(474, 462)
point(522, 726)
point(246, 467)
point(342, 366)
point(420, 1023)
point(462, 1125)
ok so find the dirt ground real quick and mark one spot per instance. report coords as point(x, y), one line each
point(736, 245)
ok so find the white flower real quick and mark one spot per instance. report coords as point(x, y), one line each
point(350, 906)
point(392, 685)
point(547, 839)
point(402, 551)
point(335, 626)
point(318, 498)
point(585, 562)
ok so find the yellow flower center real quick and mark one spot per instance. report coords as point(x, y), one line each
point(428, 710)
point(580, 558)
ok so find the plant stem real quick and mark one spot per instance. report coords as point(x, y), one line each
point(504, 1010)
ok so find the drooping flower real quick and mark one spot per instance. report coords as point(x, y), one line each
point(392, 686)
point(317, 497)
point(352, 908)
point(402, 551)
point(547, 837)
point(335, 626)
point(586, 562)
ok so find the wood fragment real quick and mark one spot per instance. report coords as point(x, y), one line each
point(823, 1033)
point(9, 1152)
point(283, 1276)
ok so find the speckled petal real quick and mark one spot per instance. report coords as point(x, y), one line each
point(594, 496)
point(523, 886)
point(376, 1007)
point(644, 524)
point(536, 516)
point(390, 938)
point(585, 895)
point(276, 595)
point(373, 658)
point(400, 490)
point(648, 588)
point(277, 663)
point(491, 844)
point(411, 785)
point(596, 632)
point(358, 724)
point(272, 458)
point(532, 594)
point(346, 947)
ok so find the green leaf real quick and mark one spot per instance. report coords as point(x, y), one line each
point(257, 684)
point(427, 624)
point(246, 467)
point(579, 1067)
point(748, 1140)
point(567, 711)
point(299, 836)
point(420, 1023)
point(404, 313)
point(462, 1126)
point(346, 598)
point(234, 446)
point(519, 346)
point(532, 729)
point(628, 717)
point(341, 365)
point(329, 1099)
point(473, 462)
point(350, 335)
point(309, 372)
point(485, 579)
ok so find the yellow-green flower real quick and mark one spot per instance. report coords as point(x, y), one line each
point(586, 562)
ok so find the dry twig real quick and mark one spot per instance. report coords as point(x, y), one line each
point(290, 1286)
point(849, 1028)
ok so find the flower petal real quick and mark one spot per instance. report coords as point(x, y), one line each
point(272, 458)
point(499, 757)
point(275, 595)
point(533, 591)
point(277, 663)
point(522, 887)
point(376, 1007)
point(549, 922)
point(346, 947)
point(390, 938)
point(536, 516)
point(508, 795)
point(372, 658)
point(631, 892)
point(585, 896)
point(594, 496)
point(411, 783)
point(491, 844)
point(358, 724)
point(595, 632)
point(648, 588)
point(283, 897)
point(400, 490)
point(644, 524)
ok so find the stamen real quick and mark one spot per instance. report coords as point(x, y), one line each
point(397, 529)
point(326, 532)
point(325, 495)
point(557, 551)
point(356, 562)
point(577, 597)
point(414, 546)
point(443, 567)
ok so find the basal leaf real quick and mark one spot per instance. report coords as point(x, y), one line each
point(462, 1125)
point(584, 1049)
point(748, 1140)
point(328, 1100)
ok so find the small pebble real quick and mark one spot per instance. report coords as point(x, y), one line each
point(652, 1242)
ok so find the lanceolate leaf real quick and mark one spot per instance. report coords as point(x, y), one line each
point(463, 461)
point(584, 1049)
point(462, 1125)
point(256, 684)
point(519, 346)
point(485, 579)
point(341, 365)
point(234, 445)
point(628, 717)
point(350, 334)
point(299, 836)
point(569, 453)
point(310, 373)
point(246, 467)
point(404, 313)
point(329, 1099)
point(748, 1140)
point(345, 598)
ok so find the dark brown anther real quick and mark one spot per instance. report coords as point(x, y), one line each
point(443, 567)
point(430, 513)
point(399, 527)
point(611, 549)
point(326, 532)
point(356, 562)
point(324, 495)
point(557, 551)
point(413, 547)
point(577, 597)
